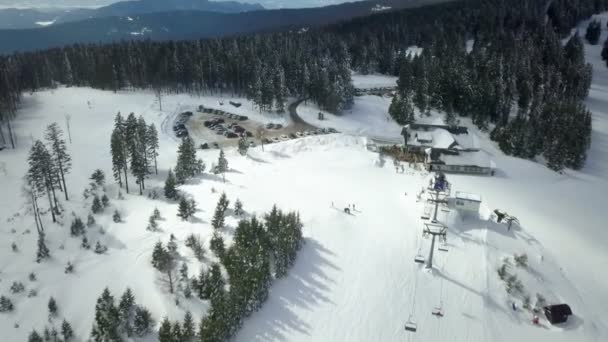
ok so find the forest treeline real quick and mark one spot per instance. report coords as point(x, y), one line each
point(518, 79)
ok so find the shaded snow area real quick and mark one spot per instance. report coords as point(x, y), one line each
point(368, 116)
point(373, 81)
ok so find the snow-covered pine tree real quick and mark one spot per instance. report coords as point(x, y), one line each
point(119, 151)
point(105, 201)
point(222, 163)
point(126, 310)
point(66, 331)
point(217, 222)
point(188, 329)
point(106, 326)
point(243, 146)
point(99, 177)
point(77, 227)
point(40, 174)
point(217, 245)
point(34, 336)
point(152, 145)
point(152, 224)
point(238, 208)
point(96, 207)
point(62, 162)
point(183, 210)
point(68, 75)
point(164, 332)
point(6, 305)
point(142, 321)
point(176, 332)
point(170, 186)
point(187, 164)
point(42, 250)
point(52, 305)
point(594, 30)
point(90, 220)
point(99, 248)
point(116, 217)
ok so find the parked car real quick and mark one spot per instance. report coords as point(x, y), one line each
point(238, 129)
point(284, 137)
point(306, 133)
point(249, 134)
point(243, 118)
point(270, 126)
point(220, 131)
point(332, 130)
point(204, 146)
point(278, 126)
point(292, 136)
point(236, 104)
point(216, 145)
point(266, 141)
point(231, 135)
point(181, 133)
point(320, 131)
point(275, 139)
point(299, 134)
point(207, 123)
point(251, 143)
point(187, 113)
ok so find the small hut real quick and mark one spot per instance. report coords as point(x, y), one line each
point(557, 313)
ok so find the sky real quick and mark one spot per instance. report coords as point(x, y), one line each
point(99, 3)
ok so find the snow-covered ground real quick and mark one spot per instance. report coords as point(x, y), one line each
point(369, 117)
point(355, 279)
point(373, 81)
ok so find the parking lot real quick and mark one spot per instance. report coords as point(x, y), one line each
point(211, 128)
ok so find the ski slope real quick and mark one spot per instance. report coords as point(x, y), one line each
point(355, 278)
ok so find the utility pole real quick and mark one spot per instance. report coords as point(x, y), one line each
point(434, 230)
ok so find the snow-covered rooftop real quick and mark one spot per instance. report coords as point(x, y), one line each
point(479, 158)
point(468, 196)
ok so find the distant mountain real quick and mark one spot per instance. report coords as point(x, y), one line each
point(178, 25)
point(34, 18)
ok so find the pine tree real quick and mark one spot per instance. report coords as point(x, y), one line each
point(106, 326)
point(96, 207)
point(184, 209)
point(152, 144)
point(170, 186)
point(77, 227)
point(116, 217)
point(164, 333)
point(142, 321)
point(40, 175)
point(238, 208)
point(6, 305)
point(52, 307)
point(43, 251)
point(119, 151)
point(605, 51)
point(217, 245)
point(105, 200)
point(188, 329)
point(176, 332)
point(68, 76)
point(66, 331)
point(218, 217)
point(99, 177)
point(152, 224)
point(243, 146)
point(126, 310)
point(187, 164)
point(90, 220)
point(164, 261)
point(35, 337)
point(222, 163)
point(62, 162)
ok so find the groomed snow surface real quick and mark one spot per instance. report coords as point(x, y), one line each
point(355, 279)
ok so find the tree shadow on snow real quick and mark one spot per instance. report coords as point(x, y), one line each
point(258, 160)
point(306, 287)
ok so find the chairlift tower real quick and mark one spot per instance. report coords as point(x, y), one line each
point(439, 190)
point(434, 230)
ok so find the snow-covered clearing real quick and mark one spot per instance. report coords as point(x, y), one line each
point(368, 117)
point(373, 81)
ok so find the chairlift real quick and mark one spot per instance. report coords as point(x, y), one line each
point(410, 325)
point(419, 258)
point(427, 213)
point(443, 247)
point(438, 311)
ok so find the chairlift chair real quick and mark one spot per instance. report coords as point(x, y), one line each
point(419, 258)
point(443, 247)
point(410, 325)
point(438, 311)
